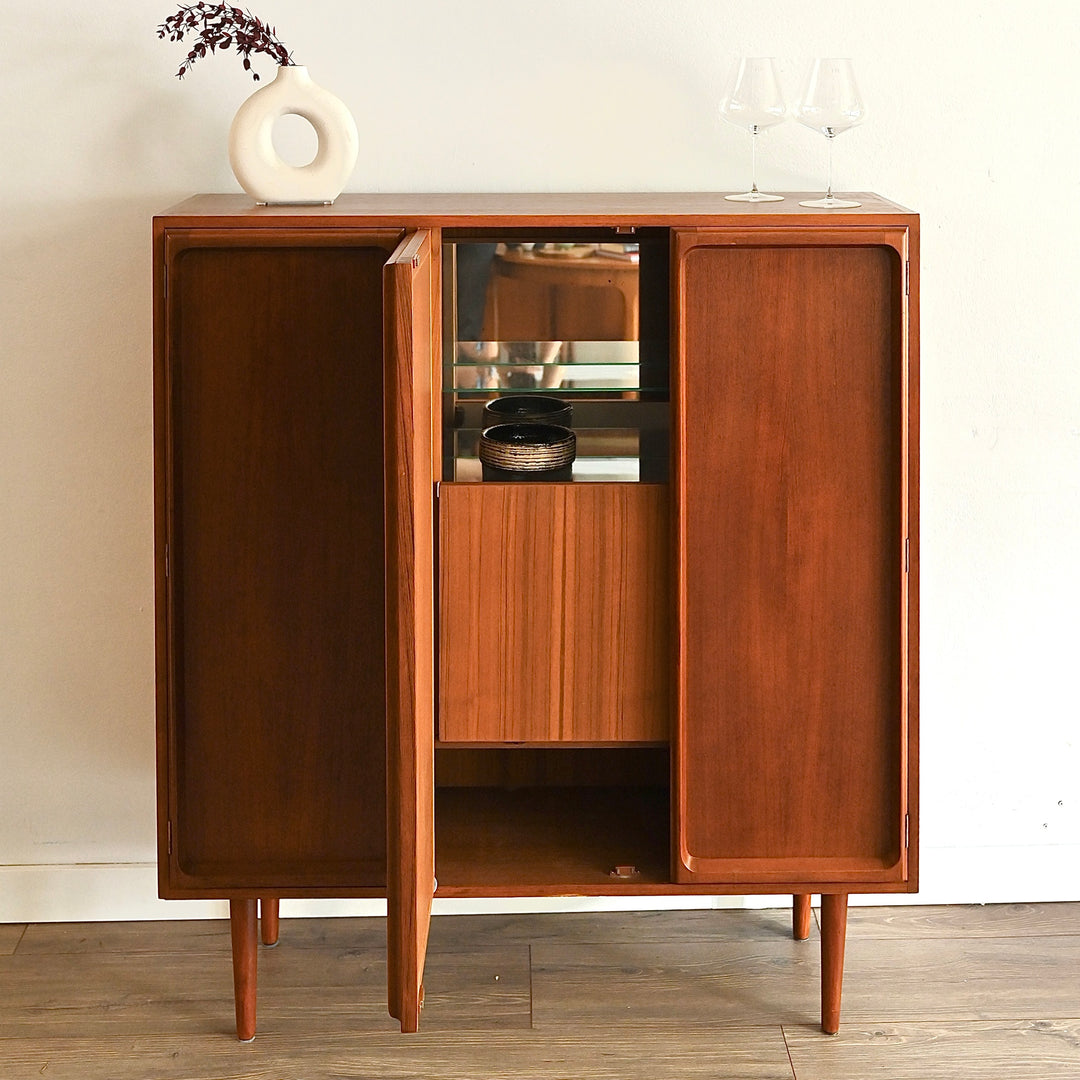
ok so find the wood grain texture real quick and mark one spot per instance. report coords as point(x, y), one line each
point(529, 210)
point(129, 938)
point(974, 978)
point(269, 920)
point(776, 981)
point(449, 933)
point(554, 840)
point(789, 396)
point(675, 986)
point(410, 621)
point(614, 995)
point(736, 1054)
point(553, 612)
point(547, 765)
point(1020, 1050)
point(802, 916)
point(271, 633)
point(833, 939)
point(340, 988)
point(10, 936)
point(965, 920)
point(244, 928)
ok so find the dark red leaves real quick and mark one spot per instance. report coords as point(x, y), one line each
point(221, 26)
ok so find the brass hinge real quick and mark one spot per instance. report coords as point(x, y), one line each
point(907, 554)
point(625, 230)
point(168, 830)
point(907, 278)
point(438, 488)
point(165, 280)
point(166, 560)
point(907, 831)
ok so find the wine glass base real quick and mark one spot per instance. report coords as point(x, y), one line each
point(831, 204)
point(754, 196)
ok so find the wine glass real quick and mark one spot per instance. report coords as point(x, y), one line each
point(830, 103)
point(755, 102)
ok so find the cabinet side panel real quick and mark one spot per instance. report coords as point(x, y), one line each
point(791, 403)
point(277, 557)
point(553, 612)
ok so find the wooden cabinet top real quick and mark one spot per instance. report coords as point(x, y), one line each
point(551, 210)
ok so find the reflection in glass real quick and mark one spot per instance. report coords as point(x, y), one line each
point(548, 317)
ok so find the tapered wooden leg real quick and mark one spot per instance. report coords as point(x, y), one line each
point(833, 935)
point(268, 920)
point(244, 924)
point(800, 916)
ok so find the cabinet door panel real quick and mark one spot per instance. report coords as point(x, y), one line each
point(790, 394)
point(274, 654)
point(411, 284)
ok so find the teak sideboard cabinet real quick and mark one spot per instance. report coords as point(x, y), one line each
point(381, 676)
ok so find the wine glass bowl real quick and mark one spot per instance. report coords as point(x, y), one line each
point(830, 104)
point(754, 101)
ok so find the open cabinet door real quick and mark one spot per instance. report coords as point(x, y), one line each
point(409, 280)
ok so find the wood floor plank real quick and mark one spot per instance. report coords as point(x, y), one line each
point(130, 938)
point(750, 1054)
point(964, 920)
point(929, 993)
point(682, 985)
point(299, 990)
point(453, 932)
point(1020, 1050)
point(962, 979)
point(777, 982)
point(449, 933)
point(10, 936)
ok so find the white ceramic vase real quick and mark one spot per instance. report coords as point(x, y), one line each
point(258, 166)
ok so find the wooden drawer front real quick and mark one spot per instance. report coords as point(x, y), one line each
point(553, 612)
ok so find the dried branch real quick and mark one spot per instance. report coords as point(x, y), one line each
point(221, 26)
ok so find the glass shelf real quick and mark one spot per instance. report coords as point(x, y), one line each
point(516, 366)
point(484, 393)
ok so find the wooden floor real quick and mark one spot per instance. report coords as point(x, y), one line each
point(979, 993)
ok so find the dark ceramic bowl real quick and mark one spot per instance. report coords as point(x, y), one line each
point(528, 409)
point(527, 451)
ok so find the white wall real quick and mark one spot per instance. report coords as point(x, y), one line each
point(972, 121)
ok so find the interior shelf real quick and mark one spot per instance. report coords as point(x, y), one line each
point(551, 838)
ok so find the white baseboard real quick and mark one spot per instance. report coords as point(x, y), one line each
point(107, 892)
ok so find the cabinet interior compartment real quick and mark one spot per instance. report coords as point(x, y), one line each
point(580, 315)
point(553, 613)
point(545, 820)
point(275, 558)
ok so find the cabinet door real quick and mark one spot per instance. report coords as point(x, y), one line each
point(410, 289)
point(794, 501)
point(271, 627)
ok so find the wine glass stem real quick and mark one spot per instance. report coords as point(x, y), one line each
point(753, 159)
point(828, 189)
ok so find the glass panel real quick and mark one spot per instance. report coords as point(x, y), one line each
point(554, 319)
